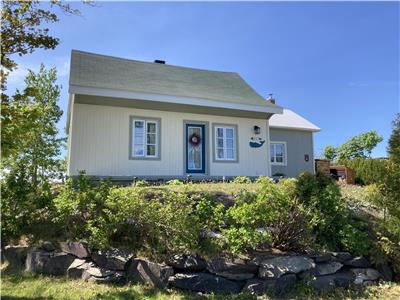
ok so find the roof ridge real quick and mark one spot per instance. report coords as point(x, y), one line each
point(149, 63)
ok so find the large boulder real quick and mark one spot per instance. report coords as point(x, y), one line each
point(205, 283)
point(15, 256)
point(327, 268)
point(143, 271)
point(112, 259)
point(279, 286)
point(358, 262)
point(78, 249)
point(95, 274)
point(365, 275)
point(279, 266)
point(342, 256)
point(48, 246)
point(234, 269)
point(51, 263)
point(188, 263)
point(323, 257)
point(77, 268)
point(329, 282)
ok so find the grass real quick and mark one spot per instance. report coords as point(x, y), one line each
point(26, 286)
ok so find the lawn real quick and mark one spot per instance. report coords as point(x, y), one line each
point(25, 286)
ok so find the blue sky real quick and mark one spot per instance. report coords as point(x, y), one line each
point(335, 63)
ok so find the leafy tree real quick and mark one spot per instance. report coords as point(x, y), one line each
point(329, 152)
point(22, 30)
point(394, 140)
point(359, 146)
point(34, 161)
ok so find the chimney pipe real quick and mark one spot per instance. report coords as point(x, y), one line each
point(271, 99)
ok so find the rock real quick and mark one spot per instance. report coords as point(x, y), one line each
point(48, 246)
point(95, 274)
point(278, 266)
point(188, 263)
point(234, 269)
point(112, 259)
point(78, 249)
point(36, 260)
point(327, 268)
point(386, 271)
point(43, 262)
point(364, 275)
point(143, 271)
point(262, 286)
point(342, 256)
point(322, 257)
point(77, 268)
point(15, 256)
point(285, 283)
point(205, 283)
point(358, 262)
point(329, 282)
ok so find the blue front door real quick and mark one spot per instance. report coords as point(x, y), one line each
point(195, 148)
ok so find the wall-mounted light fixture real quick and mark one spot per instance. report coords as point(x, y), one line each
point(306, 157)
point(256, 129)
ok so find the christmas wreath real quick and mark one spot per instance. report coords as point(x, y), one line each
point(194, 139)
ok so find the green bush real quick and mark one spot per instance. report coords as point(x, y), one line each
point(272, 217)
point(331, 222)
point(174, 182)
point(140, 183)
point(368, 171)
point(241, 179)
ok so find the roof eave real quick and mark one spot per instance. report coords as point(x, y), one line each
point(314, 129)
point(270, 109)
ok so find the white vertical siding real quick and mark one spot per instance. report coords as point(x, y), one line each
point(99, 143)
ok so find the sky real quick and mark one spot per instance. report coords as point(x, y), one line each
point(334, 63)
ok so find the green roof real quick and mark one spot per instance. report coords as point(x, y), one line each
point(106, 72)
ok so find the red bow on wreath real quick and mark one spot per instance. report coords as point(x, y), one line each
point(194, 139)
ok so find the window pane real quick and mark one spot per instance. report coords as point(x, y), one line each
point(279, 159)
point(229, 154)
point(220, 143)
point(229, 133)
point(151, 127)
point(220, 153)
point(151, 150)
point(220, 132)
point(272, 150)
point(279, 149)
point(229, 143)
point(151, 139)
point(138, 150)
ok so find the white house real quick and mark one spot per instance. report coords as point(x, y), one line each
point(129, 118)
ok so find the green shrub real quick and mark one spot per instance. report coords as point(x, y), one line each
point(174, 182)
point(264, 180)
point(79, 207)
point(368, 171)
point(25, 207)
point(140, 183)
point(332, 224)
point(265, 219)
point(241, 179)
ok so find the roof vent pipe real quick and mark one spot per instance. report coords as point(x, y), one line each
point(271, 99)
point(158, 61)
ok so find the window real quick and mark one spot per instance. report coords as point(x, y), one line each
point(278, 153)
point(225, 143)
point(145, 139)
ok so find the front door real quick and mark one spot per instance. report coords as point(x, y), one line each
point(195, 148)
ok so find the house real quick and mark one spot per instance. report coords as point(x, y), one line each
point(129, 119)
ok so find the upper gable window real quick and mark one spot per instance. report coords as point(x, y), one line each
point(145, 138)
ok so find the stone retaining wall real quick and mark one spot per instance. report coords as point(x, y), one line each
point(218, 275)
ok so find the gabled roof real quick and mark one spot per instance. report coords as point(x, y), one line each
point(291, 120)
point(91, 70)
